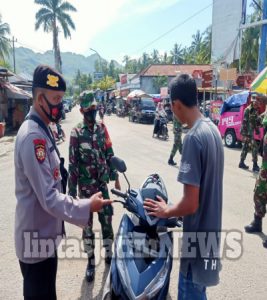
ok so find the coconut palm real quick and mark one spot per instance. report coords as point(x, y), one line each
point(4, 41)
point(177, 54)
point(54, 16)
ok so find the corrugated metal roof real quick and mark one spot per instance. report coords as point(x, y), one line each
point(172, 70)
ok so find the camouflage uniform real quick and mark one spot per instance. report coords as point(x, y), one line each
point(90, 152)
point(260, 191)
point(249, 124)
point(177, 130)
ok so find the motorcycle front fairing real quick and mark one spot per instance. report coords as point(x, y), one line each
point(133, 272)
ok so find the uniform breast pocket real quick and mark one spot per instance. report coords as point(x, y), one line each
point(55, 166)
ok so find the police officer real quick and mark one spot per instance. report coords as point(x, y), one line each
point(41, 207)
point(260, 190)
point(177, 145)
point(90, 169)
point(250, 124)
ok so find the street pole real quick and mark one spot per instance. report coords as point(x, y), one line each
point(100, 62)
point(14, 57)
point(262, 49)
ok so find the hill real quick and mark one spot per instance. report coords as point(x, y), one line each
point(27, 60)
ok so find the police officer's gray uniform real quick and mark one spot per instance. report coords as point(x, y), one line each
point(40, 205)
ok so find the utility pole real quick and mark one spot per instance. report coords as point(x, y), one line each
point(14, 57)
point(262, 48)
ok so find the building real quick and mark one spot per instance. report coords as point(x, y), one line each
point(14, 102)
point(152, 78)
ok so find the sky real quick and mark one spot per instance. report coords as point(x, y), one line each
point(113, 28)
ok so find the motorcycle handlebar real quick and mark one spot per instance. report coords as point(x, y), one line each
point(118, 193)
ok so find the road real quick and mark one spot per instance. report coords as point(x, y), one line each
point(241, 278)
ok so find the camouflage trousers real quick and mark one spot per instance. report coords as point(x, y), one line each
point(177, 145)
point(105, 219)
point(249, 144)
point(260, 193)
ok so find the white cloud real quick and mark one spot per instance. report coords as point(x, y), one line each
point(91, 18)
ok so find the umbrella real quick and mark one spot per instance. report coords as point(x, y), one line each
point(138, 94)
point(259, 84)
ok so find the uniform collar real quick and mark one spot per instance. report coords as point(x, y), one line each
point(85, 126)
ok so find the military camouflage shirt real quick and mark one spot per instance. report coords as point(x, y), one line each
point(90, 152)
point(177, 126)
point(251, 121)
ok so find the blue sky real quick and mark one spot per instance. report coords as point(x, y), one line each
point(113, 27)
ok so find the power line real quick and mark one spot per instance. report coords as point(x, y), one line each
point(175, 27)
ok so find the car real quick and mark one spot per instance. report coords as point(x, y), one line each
point(67, 104)
point(143, 110)
point(231, 118)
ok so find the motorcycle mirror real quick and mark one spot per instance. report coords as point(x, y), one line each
point(118, 164)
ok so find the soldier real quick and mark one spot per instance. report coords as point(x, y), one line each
point(249, 124)
point(260, 191)
point(41, 207)
point(177, 145)
point(90, 152)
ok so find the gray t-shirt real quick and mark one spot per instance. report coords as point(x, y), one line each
point(202, 165)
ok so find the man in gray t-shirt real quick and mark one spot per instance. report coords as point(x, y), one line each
point(201, 172)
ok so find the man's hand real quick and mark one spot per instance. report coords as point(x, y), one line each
point(156, 208)
point(97, 202)
point(117, 184)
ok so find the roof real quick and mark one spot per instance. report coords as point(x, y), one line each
point(172, 70)
point(14, 92)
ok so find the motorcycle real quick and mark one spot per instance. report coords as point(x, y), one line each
point(161, 128)
point(142, 260)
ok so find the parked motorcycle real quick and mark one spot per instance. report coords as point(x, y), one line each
point(142, 260)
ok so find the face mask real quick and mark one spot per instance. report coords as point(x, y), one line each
point(90, 115)
point(55, 111)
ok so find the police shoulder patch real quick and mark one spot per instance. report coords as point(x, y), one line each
point(40, 150)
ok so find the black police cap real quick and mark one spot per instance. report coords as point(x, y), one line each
point(48, 78)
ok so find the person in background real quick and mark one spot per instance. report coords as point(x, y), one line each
point(177, 144)
point(250, 126)
point(90, 170)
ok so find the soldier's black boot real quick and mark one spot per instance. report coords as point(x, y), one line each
point(242, 165)
point(264, 243)
point(255, 226)
point(90, 270)
point(255, 167)
point(171, 162)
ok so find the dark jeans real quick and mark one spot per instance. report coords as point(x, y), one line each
point(188, 290)
point(39, 279)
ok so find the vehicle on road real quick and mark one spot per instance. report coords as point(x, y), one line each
point(232, 114)
point(142, 110)
point(142, 260)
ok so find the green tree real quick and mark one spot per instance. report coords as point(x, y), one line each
point(4, 41)
point(160, 81)
point(177, 54)
point(106, 83)
point(155, 57)
point(54, 16)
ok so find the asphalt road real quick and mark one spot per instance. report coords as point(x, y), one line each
point(244, 277)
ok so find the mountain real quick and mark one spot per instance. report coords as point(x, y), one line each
point(27, 60)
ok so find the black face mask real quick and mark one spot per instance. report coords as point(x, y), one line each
point(56, 111)
point(90, 115)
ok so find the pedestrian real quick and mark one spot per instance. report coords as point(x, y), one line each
point(41, 207)
point(90, 170)
point(177, 144)
point(260, 190)
point(201, 173)
point(250, 126)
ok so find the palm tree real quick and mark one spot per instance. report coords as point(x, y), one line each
point(4, 41)
point(197, 41)
point(177, 54)
point(53, 16)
